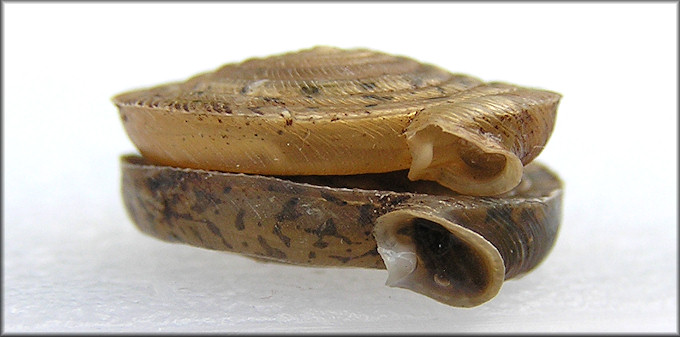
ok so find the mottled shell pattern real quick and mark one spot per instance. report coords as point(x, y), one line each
point(330, 111)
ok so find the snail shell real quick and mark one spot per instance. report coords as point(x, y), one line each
point(453, 248)
point(329, 111)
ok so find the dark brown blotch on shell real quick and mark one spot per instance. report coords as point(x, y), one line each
point(269, 250)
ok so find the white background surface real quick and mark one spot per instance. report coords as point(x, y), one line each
point(72, 261)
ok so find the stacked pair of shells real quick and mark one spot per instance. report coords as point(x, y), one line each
point(354, 158)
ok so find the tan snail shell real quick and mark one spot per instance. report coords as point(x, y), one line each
point(355, 158)
point(329, 111)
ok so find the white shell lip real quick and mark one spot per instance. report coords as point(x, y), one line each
point(400, 261)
